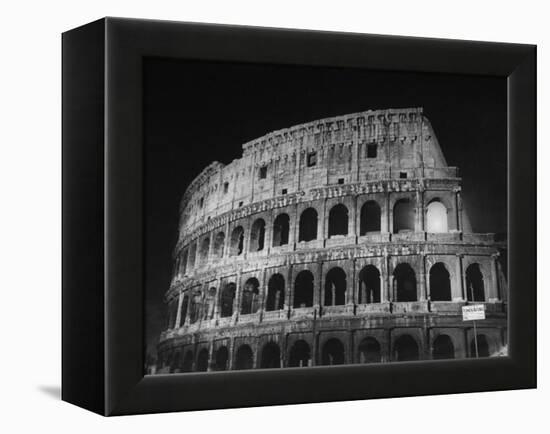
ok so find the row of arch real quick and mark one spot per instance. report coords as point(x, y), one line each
point(338, 224)
point(332, 352)
point(333, 291)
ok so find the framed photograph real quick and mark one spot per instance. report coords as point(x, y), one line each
point(257, 216)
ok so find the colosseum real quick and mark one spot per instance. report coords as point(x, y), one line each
point(342, 240)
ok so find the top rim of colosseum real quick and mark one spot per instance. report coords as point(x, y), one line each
point(273, 137)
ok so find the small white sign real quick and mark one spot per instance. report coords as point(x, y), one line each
point(473, 312)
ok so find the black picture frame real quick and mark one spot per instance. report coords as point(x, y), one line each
point(103, 283)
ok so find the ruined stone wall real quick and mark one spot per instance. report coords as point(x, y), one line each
point(355, 174)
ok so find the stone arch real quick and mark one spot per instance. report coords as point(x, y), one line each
point(300, 354)
point(403, 216)
point(369, 285)
point(333, 352)
point(335, 287)
point(404, 283)
point(202, 360)
point(281, 229)
point(482, 346)
point(405, 348)
point(244, 358)
point(440, 283)
point(271, 356)
point(308, 225)
point(443, 348)
point(237, 241)
point(219, 243)
point(257, 235)
point(369, 351)
point(221, 359)
point(436, 217)
point(187, 361)
point(227, 299)
point(475, 287)
point(338, 220)
point(250, 295)
point(204, 249)
point(275, 293)
point(303, 289)
point(195, 308)
point(192, 256)
point(370, 218)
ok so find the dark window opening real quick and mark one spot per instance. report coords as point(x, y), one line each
point(250, 296)
point(257, 236)
point(271, 356)
point(482, 347)
point(370, 218)
point(333, 353)
point(237, 241)
point(303, 289)
point(369, 285)
point(402, 175)
point(275, 293)
point(403, 216)
point(440, 283)
point(225, 187)
point(284, 191)
point(372, 150)
point(308, 225)
point(281, 228)
point(222, 356)
point(340, 180)
point(201, 202)
point(241, 203)
point(202, 360)
point(369, 351)
point(404, 283)
point(263, 172)
point(300, 354)
point(338, 220)
point(405, 348)
point(311, 159)
point(227, 298)
point(219, 242)
point(243, 359)
point(475, 289)
point(443, 348)
point(188, 361)
point(335, 287)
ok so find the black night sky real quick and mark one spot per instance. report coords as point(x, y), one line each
point(196, 112)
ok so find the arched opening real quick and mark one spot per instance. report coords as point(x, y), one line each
point(369, 220)
point(175, 362)
point(237, 241)
point(281, 227)
point(404, 283)
point(440, 283)
point(243, 358)
point(308, 225)
point(275, 293)
point(208, 306)
point(338, 220)
point(333, 353)
point(249, 299)
point(335, 287)
point(222, 357)
point(303, 289)
point(195, 307)
point(203, 251)
point(482, 346)
point(219, 242)
point(405, 348)
point(183, 263)
point(475, 288)
point(184, 309)
point(202, 360)
point(227, 298)
point(257, 235)
point(271, 356)
point(300, 354)
point(192, 256)
point(436, 216)
point(403, 216)
point(369, 285)
point(369, 351)
point(443, 348)
point(188, 362)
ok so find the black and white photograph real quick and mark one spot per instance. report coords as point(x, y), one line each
point(301, 216)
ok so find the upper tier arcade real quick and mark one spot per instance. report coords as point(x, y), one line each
point(351, 149)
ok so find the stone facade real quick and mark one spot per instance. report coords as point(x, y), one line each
point(343, 240)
